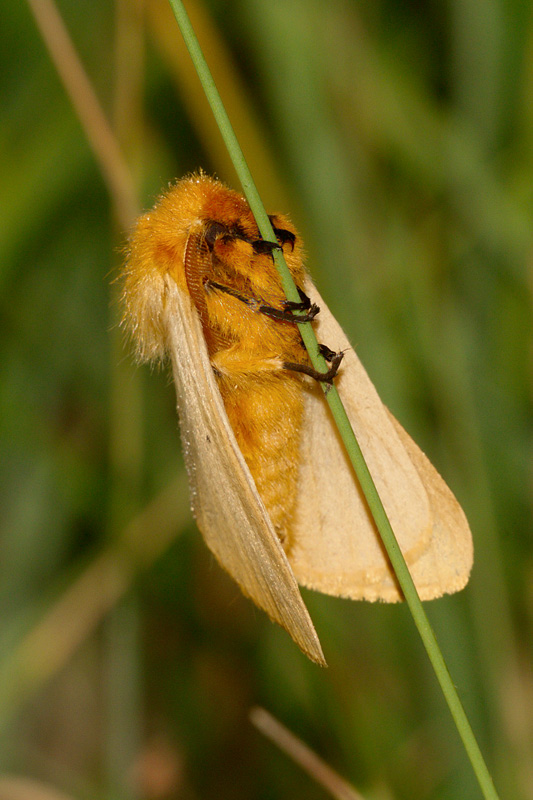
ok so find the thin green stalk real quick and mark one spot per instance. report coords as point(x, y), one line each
point(345, 429)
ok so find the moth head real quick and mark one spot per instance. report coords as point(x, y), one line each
point(158, 244)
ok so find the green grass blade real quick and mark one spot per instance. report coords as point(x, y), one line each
point(341, 419)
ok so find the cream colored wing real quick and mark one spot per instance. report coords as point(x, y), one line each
point(227, 507)
point(335, 547)
point(444, 567)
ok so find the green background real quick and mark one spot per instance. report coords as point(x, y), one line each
point(398, 135)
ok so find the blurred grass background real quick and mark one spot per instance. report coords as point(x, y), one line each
point(399, 137)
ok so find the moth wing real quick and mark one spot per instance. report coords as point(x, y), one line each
point(444, 567)
point(335, 546)
point(227, 507)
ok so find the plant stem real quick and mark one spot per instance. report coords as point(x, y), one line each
point(341, 419)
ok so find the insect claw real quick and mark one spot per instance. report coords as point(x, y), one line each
point(264, 247)
point(326, 353)
point(283, 236)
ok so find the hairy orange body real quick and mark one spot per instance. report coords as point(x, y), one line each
point(247, 348)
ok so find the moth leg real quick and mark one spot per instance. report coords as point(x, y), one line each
point(282, 314)
point(326, 353)
point(232, 362)
point(220, 287)
point(283, 236)
point(215, 230)
point(286, 314)
point(323, 377)
point(264, 247)
point(305, 305)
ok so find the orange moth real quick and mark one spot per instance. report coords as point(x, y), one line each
point(272, 490)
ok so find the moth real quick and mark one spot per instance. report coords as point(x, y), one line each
point(272, 490)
